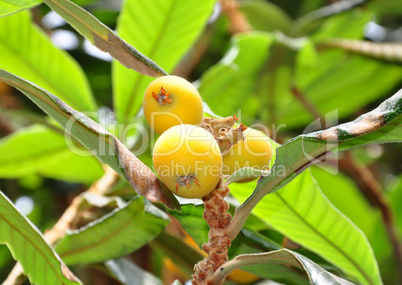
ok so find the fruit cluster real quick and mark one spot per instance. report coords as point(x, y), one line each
point(193, 152)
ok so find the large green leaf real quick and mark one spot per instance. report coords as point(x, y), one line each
point(104, 38)
point(379, 126)
point(39, 262)
point(163, 30)
point(348, 25)
point(232, 83)
point(301, 212)
point(37, 149)
point(395, 196)
point(12, 7)
point(334, 77)
point(382, 125)
point(322, 79)
point(355, 207)
point(27, 52)
point(99, 141)
point(114, 235)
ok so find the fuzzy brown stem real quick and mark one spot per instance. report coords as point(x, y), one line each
point(238, 22)
point(67, 221)
point(217, 218)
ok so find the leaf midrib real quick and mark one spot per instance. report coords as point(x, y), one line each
point(326, 239)
point(154, 47)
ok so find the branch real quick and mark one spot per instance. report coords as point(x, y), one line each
point(238, 22)
point(390, 52)
point(372, 189)
point(298, 94)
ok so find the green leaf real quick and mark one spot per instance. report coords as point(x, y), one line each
point(302, 213)
point(99, 141)
point(394, 191)
point(378, 126)
point(316, 274)
point(355, 207)
point(336, 78)
point(386, 7)
point(27, 52)
point(12, 7)
point(382, 125)
point(191, 220)
point(348, 25)
point(114, 235)
point(232, 83)
point(163, 31)
point(39, 262)
point(104, 38)
point(130, 274)
point(37, 149)
point(266, 16)
point(327, 78)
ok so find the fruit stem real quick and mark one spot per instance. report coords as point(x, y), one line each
point(218, 220)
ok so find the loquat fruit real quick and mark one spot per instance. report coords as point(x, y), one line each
point(188, 161)
point(170, 101)
point(253, 151)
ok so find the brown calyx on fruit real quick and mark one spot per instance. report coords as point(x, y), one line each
point(218, 220)
point(162, 97)
point(186, 180)
point(223, 131)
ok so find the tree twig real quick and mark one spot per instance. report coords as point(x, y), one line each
point(374, 192)
point(238, 22)
point(298, 94)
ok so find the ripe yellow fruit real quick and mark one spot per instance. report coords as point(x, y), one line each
point(170, 101)
point(188, 161)
point(255, 151)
